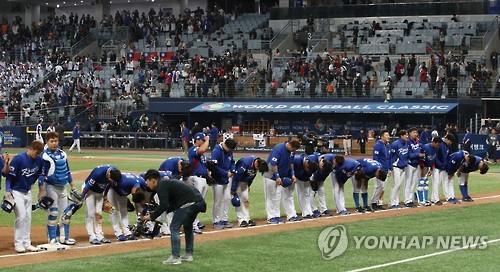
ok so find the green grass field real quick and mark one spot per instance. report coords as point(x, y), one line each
point(137, 163)
point(298, 251)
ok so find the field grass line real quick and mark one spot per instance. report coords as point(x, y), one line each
point(421, 257)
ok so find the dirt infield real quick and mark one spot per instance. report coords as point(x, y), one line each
point(8, 258)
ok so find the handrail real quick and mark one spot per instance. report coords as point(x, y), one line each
point(490, 33)
point(273, 40)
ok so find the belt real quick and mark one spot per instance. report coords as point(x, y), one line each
point(187, 205)
point(200, 176)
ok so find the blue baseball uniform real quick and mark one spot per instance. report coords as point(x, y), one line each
point(214, 134)
point(414, 150)
point(298, 166)
point(225, 164)
point(198, 162)
point(97, 180)
point(320, 175)
point(468, 168)
point(455, 160)
point(23, 173)
point(304, 190)
point(283, 159)
point(171, 164)
point(430, 155)
point(76, 133)
point(370, 167)
point(440, 175)
point(382, 155)
point(399, 154)
point(127, 183)
point(442, 156)
point(425, 137)
point(56, 168)
point(244, 172)
point(346, 170)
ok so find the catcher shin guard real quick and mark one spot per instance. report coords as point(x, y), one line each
point(52, 223)
point(69, 211)
point(420, 191)
point(426, 190)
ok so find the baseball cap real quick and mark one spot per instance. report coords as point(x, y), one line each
point(199, 136)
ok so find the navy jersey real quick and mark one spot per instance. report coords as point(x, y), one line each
point(346, 170)
point(198, 162)
point(399, 154)
point(298, 166)
point(283, 159)
point(320, 175)
point(425, 137)
point(56, 169)
point(185, 134)
point(414, 150)
point(171, 164)
point(244, 172)
point(225, 164)
point(382, 155)
point(76, 133)
point(455, 160)
point(442, 156)
point(214, 134)
point(430, 155)
point(97, 181)
point(23, 173)
point(127, 183)
point(370, 167)
point(468, 168)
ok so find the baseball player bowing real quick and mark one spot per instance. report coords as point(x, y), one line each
point(456, 162)
point(199, 172)
point(439, 175)
point(325, 167)
point(117, 195)
point(369, 169)
point(281, 169)
point(428, 163)
point(94, 191)
point(185, 202)
point(24, 170)
point(399, 160)
point(245, 171)
point(177, 166)
point(468, 166)
point(304, 166)
point(56, 175)
point(222, 172)
point(381, 154)
point(344, 169)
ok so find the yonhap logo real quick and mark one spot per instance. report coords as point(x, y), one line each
point(332, 242)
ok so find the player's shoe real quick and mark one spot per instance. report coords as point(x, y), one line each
point(20, 249)
point(251, 223)
point(307, 217)
point(105, 241)
point(218, 226)
point(409, 205)
point(467, 199)
point(121, 238)
point(368, 209)
point(69, 242)
point(187, 258)
point(197, 230)
point(95, 242)
point(316, 213)
point(131, 237)
point(437, 203)
point(200, 225)
point(294, 219)
point(172, 260)
point(274, 221)
point(227, 225)
point(452, 200)
point(243, 224)
point(31, 248)
point(360, 210)
point(344, 213)
point(394, 207)
point(326, 213)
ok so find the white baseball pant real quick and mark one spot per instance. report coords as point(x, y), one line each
point(60, 197)
point(222, 196)
point(463, 179)
point(412, 177)
point(165, 218)
point(288, 201)
point(93, 220)
point(242, 212)
point(76, 142)
point(272, 194)
point(399, 179)
point(320, 195)
point(438, 177)
point(201, 185)
point(304, 197)
point(448, 187)
point(119, 216)
point(22, 225)
point(338, 194)
point(377, 191)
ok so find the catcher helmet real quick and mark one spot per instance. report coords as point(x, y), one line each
point(286, 182)
point(235, 200)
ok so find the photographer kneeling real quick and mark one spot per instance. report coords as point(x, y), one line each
point(184, 201)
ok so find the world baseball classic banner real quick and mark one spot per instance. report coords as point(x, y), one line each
point(330, 107)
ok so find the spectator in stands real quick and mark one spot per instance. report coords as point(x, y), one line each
point(367, 86)
point(144, 123)
point(494, 60)
point(387, 65)
point(412, 64)
point(358, 85)
point(493, 143)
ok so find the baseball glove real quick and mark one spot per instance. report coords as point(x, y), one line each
point(210, 180)
point(45, 202)
point(315, 185)
point(75, 196)
point(107, 207)
point(211, 166)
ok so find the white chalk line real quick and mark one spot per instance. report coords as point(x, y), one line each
point(219, 231)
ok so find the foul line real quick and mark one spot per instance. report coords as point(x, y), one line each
point(421, 257)
point(224, 230)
